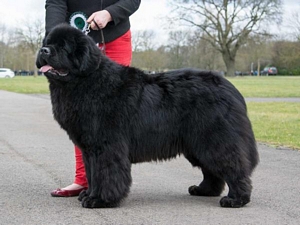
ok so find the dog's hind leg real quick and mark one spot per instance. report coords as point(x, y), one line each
point(235, 171)
point(239, 192)
point(210, 186)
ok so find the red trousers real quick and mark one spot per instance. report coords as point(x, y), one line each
point(119, 51)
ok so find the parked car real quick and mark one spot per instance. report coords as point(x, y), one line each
point(242, 73)
point(269, 71)
point(6, 73)
point(237, 73)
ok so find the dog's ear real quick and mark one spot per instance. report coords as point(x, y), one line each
point(88, 54)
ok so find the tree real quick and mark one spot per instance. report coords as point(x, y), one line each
point(2, 44)
point(294, 23)
point(31, 38)
point(145, 55)
point(287, 56)
point(202, 55)
point(178, 49)
point(6, 41)
point(226, 24)
point(256, 54)
point(143, 40)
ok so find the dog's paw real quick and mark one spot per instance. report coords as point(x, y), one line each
point(83, 194)
point(200, 191)
point(193, 190)
point(90, 202)
point(232, 203)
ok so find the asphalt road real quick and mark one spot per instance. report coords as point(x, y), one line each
point(36, 156)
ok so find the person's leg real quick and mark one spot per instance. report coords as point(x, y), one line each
point(80, 182)
point(80, 177)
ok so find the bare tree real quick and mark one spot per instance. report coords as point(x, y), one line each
point(143, 40)
point(202, 55)
point(31, 36)
point(178, 49)
point(294, 24)
point(7, 41)
point(145, 54)
point(257, 53)
point(287, 56)
point(2, 44)
point(226, 23)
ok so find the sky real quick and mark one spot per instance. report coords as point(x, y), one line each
point(14, 12)
point(148, 17)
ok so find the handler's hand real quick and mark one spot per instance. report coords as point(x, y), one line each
point(101, 18)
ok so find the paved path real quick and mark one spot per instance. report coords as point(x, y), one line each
point(36, 157)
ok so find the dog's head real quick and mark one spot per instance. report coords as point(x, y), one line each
point(67, 52)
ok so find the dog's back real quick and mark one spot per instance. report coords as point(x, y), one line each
point(186, 111)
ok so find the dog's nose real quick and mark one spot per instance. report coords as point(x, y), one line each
point(45, 50)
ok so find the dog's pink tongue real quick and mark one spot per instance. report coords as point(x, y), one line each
point(45, 68)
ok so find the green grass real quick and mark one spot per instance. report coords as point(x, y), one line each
point(272, 86)
point(275, 123)
point(268, 86)
point(25, 84)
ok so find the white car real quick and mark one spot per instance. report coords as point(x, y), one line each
point(6, 73)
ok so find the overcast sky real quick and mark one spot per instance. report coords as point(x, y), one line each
point(14, 12)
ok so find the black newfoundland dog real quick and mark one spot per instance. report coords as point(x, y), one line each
point(119, 115)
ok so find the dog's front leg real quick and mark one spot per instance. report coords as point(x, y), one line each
point(109, 177)
point(86, 159)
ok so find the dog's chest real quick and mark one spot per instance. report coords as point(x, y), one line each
point(63, 107)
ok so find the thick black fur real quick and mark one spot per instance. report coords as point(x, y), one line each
point(119, 115)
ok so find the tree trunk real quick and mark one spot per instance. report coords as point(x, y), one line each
point(230, 65)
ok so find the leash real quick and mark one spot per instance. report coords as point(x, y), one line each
point(88, 30)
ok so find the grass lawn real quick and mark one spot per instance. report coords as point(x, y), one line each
point(25, 84)
point(276, 123)
point(268, 86)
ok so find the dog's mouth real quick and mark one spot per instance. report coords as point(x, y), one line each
point(50, 69)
